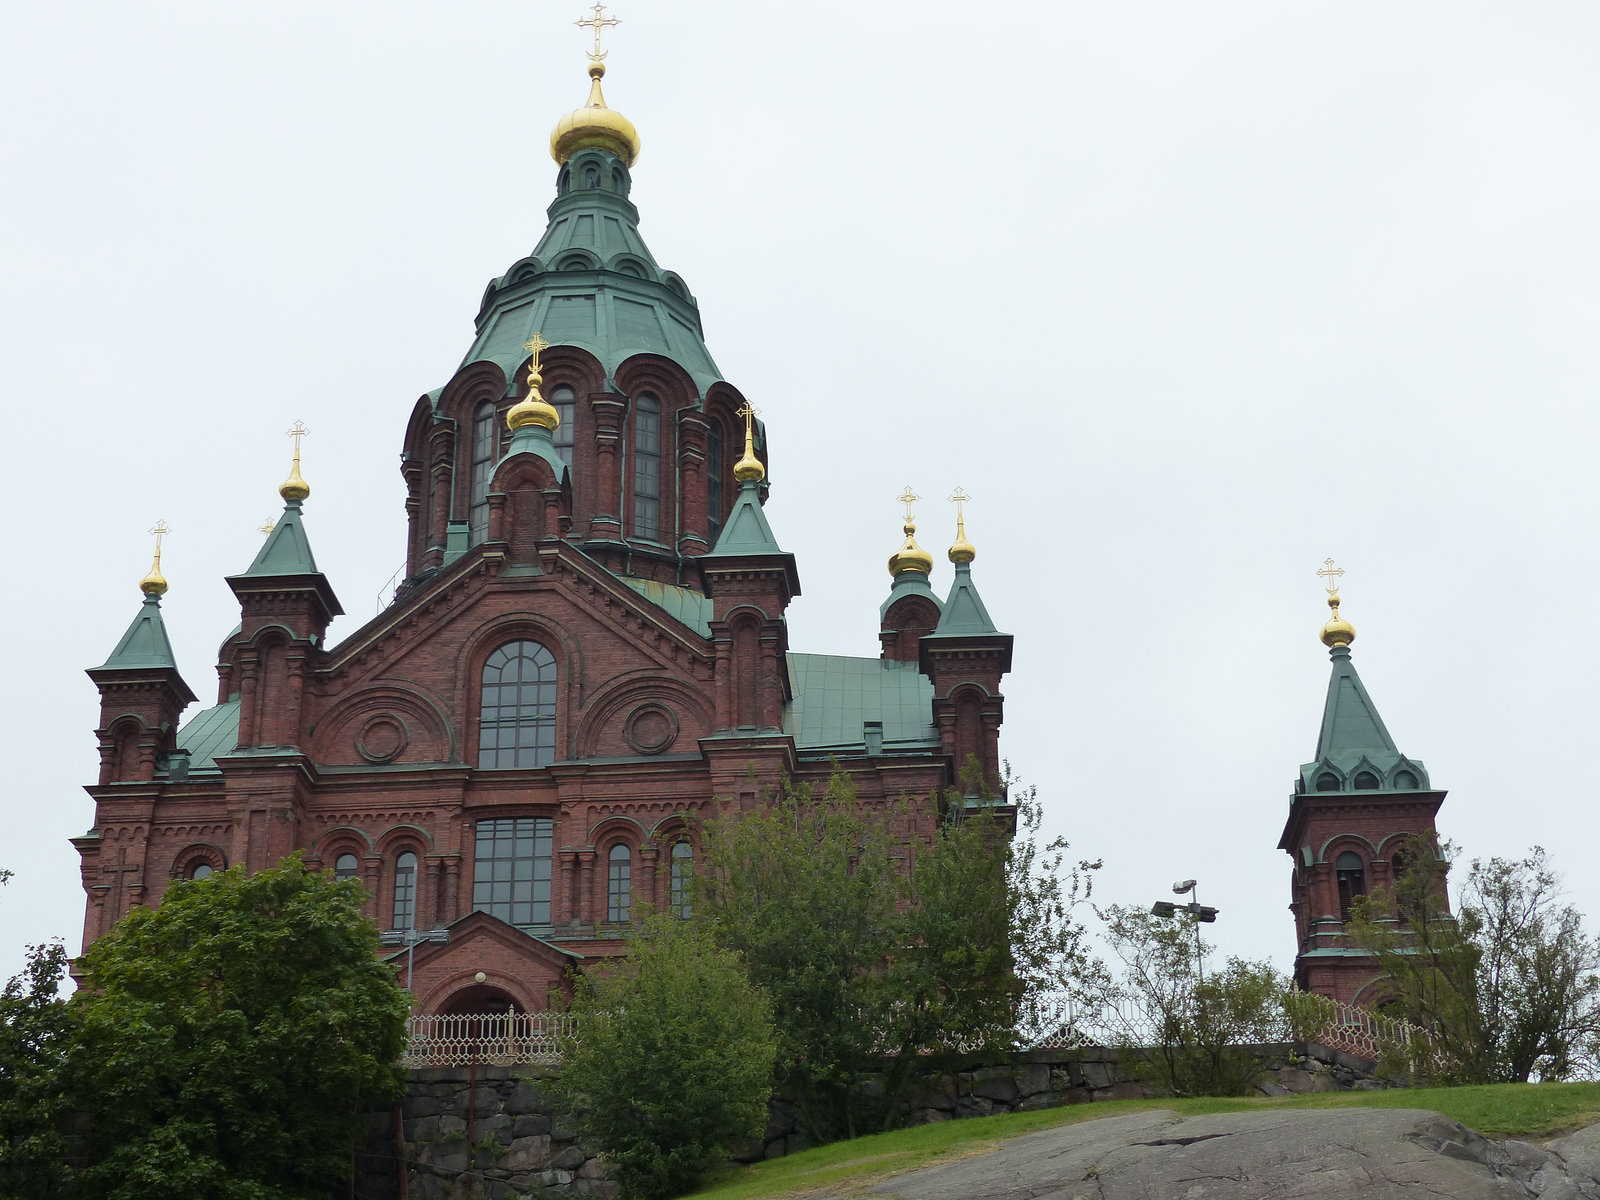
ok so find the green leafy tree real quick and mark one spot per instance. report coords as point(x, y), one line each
point(1186, 1030)
point(671, 1065)
point(1507, 988)
point(227, 1041)
point(35, 1028)
point(878, 969)
point(804, 890)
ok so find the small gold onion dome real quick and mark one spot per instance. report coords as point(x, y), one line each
point(910, 556)
point(295, 487)
point(749, 469)
point(961, 550)
point(594, 125)
point(1338, 631)
point(533, 409)
point(154, 583)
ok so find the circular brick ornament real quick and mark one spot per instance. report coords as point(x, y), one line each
point(651, 728)
point(382, 739)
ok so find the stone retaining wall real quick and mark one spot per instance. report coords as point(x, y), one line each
point(496, 1134)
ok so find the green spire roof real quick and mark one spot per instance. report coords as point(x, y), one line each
point(1354, 749)
point(287, 550)
point(908, 583)
point(538, 441)
point(964, 614)
point(746, 530)
point(592, 283)
point(145, 646)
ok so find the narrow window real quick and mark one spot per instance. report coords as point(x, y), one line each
point(647, 468)
point(517, 723)
point(565, 401)
point(714, 483)
point(1366, 781)
point(619, 889)
point(484, 444)
point(682, 872)
point(200, 871)
point(405, 891)
point(511, 869)
point(345, 866)
point(1352, 881)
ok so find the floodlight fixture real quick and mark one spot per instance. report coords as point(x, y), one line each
point(1164, 908)
point(1182, 886)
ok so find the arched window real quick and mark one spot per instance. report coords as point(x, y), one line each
point(682, 872)
point(517, 724)
point(619, 886)
point(1327, 782)
point(1366, 781)
point(1405, 781)
point(564, 399)
point(345, 866)
point(714, 454)
point(484, 444)
point(200, 871)
point(1352, 881)
point(405, 891)
point(647, 468)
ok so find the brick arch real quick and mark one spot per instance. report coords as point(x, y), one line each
point(437, 997)
point(336, 736)
point(601, 727)
point(196, 853)
point(1346, 841)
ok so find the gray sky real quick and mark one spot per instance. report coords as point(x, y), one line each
point(1189, 296)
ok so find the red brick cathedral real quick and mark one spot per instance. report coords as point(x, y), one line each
point(589, 645)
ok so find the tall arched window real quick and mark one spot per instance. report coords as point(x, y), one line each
point(405, 891)
point(484, 444)
point(345, 866)
point(619, 885)
point(1352, 881)
point(682, 872)
point(517, 724)
point(565, 401)
point(714, 483)
point(647, 468)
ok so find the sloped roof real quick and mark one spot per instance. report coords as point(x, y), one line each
point(145, 645)
point(1353, 738)
point(209, 733)
point(834, 695)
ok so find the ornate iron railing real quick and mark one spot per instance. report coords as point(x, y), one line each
point(491, 1039)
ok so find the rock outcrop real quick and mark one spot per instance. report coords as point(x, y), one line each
point(1283, 1154)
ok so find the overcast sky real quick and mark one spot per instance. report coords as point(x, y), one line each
point(1189, 296)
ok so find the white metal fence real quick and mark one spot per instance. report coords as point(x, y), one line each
point(514, 1039)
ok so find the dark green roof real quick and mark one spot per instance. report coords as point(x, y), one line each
point(964, 614)
point(1354, 740)
point(287, 550)
point(688, 606)
point(835, 696)
point(210, 733)
point(592, 283)
point(908, 583)
point(145, 646)
point(746, 530)
point(536, 440)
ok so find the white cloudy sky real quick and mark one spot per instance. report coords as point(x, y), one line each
point(1189, 295)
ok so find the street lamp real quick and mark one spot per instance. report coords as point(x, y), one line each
point(1200, 912)
point(409, 939)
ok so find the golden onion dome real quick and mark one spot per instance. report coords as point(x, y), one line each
point(1338, 631)
point(594, 125)
point(961, 550)
point(154, 583)
point(910, 556)
point(533, 409)
point(295, 487)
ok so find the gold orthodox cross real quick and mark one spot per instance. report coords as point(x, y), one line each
point(297, 432)
point(959, 498)
point(749, 412)
point(908, 498)
point(267, 526)
point(1330, 575)
point(533, 346)
point(598, 22)
point(160, 529)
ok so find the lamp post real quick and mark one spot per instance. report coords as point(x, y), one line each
point(409, 937)
point(1200, 912)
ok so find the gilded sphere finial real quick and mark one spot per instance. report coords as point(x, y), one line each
point(594, 124)
point(749, 468)
point(961, 550)
point(534, 409)
point(155, 583)
point(910, 556)
point(1338, 631)
point(295, 487)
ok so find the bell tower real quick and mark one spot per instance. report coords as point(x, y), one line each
point(1352, 809)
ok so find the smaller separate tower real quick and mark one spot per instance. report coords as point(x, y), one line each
point(911, 611)
point(1352, 810)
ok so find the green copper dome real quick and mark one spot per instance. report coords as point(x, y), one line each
point(592, 283)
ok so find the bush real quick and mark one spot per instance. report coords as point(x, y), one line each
point(671, 1066)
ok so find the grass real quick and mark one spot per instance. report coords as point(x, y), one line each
point(1524, 1110)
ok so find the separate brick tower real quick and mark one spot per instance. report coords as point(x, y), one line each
point(1352, 809)
point(588, 649)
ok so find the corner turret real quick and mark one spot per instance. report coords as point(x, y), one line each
point(911, 610)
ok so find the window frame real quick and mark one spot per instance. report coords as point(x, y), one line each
point(647, 455)
point(716, 452)
point(537, 719)
point(497, 893)
point(680, 871)
point(407, 891)
point(619, 883)
point(484, 454)
point(566, 406)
